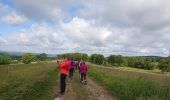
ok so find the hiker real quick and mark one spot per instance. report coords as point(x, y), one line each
point(71, 71)
point(76, 64)
point(80, 65)
point(63, 73)
point(83, 71)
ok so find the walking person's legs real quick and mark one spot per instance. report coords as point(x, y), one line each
point(85, 78)
point(81, 77)
point(72, 71)
point(63, 83)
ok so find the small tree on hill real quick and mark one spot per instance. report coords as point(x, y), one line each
point(5, 60)
point(28, 58)
point(84, 57)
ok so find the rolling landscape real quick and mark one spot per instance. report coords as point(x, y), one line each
point(84, 50)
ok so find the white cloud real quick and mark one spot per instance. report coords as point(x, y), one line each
point(85, 32)
point(2, 41)
point(13, 19)
point(10, 16)
point(131, 27)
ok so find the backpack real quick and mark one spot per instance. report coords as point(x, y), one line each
point(72, 63)
point(84, 67)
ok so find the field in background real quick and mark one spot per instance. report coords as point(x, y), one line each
point(27, 81)
point(128, 84)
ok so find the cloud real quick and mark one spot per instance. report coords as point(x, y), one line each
point(13, 19)
point(85, 32)
point(2, 41)
point(9, 16)
point(81, 35)
point(131, 27)
point(41, 10)
point(130, 13)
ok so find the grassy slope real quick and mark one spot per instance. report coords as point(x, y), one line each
point(131, 85)
point(27, 82)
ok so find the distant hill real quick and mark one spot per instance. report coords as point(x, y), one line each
point(11, 53)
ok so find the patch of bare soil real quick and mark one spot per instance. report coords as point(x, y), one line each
point(99, 92)
point(68, 94)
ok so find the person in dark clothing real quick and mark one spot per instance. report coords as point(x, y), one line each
point(63, 73)
point(72, 67)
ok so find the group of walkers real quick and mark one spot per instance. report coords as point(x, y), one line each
point(69, 67)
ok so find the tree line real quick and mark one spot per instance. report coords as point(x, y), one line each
point(142, 62)
point(26, 58)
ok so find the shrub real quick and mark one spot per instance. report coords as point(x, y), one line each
point(5, 60)
point(28, 58)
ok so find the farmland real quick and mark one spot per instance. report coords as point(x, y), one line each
point(132, 85)
point(27, 81)
point(38, 81)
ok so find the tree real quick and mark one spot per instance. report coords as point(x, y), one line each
point(92, 58)
point(27, 58)
point(164, 65)
point(115, 60)
point(84, 57)
point(42, 57)
point(97, 59)
point(5, 60)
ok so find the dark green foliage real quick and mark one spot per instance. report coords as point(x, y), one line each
point(27, 58)
point(84, 57)
point(97, 59)
point(140, 62)
point(115, 60)
point(41, 57)
point(74, 56)
point(164, 65)
point(5, 60)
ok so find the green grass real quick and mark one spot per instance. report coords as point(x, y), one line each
point(128, 86)
point(27, 82)
point(80, 91)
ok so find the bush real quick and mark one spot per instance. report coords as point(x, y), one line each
point(28, 58)
point(164, 65)
point(41, 57)
point(5, 60)
point(115, 60)
point(97, 59)
point(84, 57)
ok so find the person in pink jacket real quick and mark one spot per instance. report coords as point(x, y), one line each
point(83, 71)
point(65, 67)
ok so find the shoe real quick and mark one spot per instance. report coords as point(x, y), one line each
point(85, 82)
point(61, 93)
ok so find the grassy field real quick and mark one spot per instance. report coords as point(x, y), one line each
point(131, 85)
point(27, 81)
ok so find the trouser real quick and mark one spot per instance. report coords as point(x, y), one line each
point(71, 72)
point(83, 76)
point(63, 82)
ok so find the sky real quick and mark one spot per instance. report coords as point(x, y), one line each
point(124, 27)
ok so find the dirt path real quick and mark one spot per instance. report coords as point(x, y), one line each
point(77, 91)
point(99, 92)
point(68, 94)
